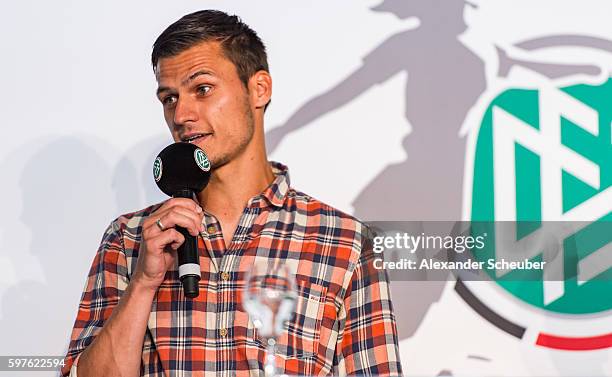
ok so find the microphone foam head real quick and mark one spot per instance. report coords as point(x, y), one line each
point(181, 166)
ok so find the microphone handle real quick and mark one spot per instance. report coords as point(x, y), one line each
point(188, 257)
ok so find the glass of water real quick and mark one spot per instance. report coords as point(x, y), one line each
point(269, 299)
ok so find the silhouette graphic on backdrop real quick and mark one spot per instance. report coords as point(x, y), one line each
point(438, 96)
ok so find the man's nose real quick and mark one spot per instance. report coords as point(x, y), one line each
point(185, 111)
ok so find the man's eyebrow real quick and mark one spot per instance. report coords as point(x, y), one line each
point(162, 89)
point(196, 74)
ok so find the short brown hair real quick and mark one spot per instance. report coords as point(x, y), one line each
point(239, 43)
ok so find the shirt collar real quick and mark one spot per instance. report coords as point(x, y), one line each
point(276, 192)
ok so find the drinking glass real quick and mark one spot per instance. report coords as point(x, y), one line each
point(269, 299)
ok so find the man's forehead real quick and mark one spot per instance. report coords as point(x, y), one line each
point(204, 56)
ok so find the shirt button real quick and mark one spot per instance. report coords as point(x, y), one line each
point(225, 276)
point(210, 229)
point(223, 333)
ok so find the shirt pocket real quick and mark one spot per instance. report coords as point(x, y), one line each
point(301, 334)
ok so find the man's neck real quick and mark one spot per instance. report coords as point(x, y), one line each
point(232, 185)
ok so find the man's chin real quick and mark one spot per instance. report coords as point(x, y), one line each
point(217, 162)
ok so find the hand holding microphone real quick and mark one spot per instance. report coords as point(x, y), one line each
point(181, 170)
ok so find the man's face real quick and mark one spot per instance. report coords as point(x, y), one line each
point(205, 102)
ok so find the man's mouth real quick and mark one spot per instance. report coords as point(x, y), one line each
point(191, 138)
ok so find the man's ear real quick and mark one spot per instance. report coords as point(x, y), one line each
point(260, 88)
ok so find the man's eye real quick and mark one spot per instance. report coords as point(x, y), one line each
point(203, 89)
point(169, 100)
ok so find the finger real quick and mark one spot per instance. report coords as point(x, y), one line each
point(170, 205)
point(194, 216)
point(175, 218)
point(169, 238)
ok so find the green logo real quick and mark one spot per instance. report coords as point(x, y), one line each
point(157, 169)
point(541, 156)
point(201, 159)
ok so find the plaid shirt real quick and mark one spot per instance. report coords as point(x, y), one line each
point(343, 321)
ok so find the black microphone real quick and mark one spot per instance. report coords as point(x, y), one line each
point(181, 170)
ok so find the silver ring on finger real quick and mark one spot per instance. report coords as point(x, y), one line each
point(160, 225)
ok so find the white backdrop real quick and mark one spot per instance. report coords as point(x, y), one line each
point(81, 124)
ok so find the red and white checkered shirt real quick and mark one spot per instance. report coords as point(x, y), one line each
point(343, 322)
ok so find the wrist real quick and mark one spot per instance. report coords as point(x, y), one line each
point(140, 286)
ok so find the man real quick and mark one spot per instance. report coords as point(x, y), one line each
point(134, 319)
